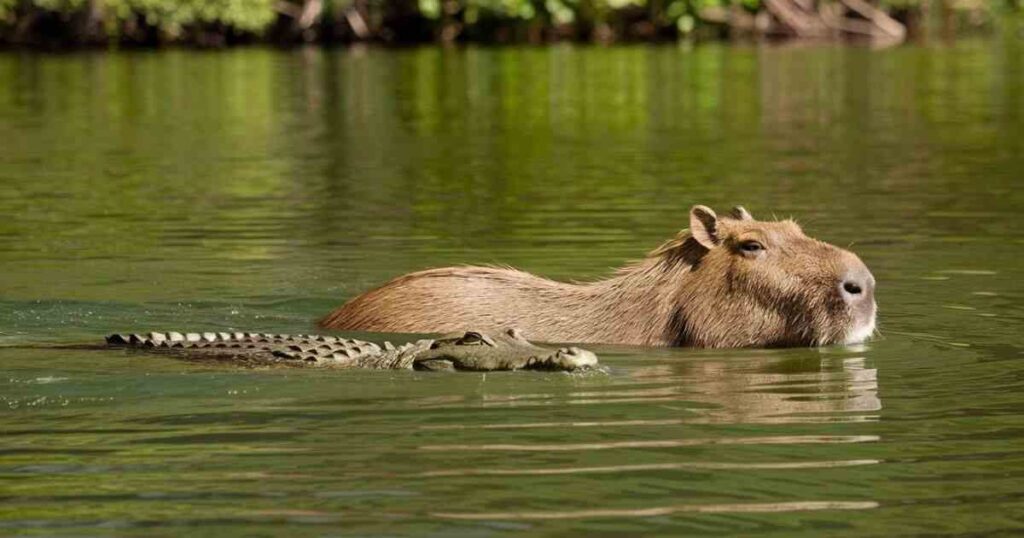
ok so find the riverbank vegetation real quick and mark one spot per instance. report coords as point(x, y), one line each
point(214, 23)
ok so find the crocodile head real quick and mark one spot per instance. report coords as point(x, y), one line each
point(506, 350)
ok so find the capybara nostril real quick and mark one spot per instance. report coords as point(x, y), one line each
point(858, 285)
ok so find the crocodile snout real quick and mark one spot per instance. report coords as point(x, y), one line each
point(572, 358)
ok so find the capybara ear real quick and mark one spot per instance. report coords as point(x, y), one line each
point(740, 213)
point(704, 226)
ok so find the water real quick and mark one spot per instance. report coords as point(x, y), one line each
point(256, 190)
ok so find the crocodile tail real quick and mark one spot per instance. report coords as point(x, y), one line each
point(305, 350)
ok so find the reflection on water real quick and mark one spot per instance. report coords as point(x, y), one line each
point(255, 190)
point(669, 510)
point(734, 390)
point(776, 391)
point(655, 467)
point(737, 390)
point(665, 443)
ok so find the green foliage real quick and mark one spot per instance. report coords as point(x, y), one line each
point(521, 9)
point(6, 8)
point(171, 15)
point(136, 20)
point(167, 15)
point(430, 9)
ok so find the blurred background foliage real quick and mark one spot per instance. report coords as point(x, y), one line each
point(69, 23)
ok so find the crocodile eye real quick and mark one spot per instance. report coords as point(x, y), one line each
point(471, 338)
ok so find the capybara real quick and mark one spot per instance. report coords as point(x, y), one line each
point(726, 282)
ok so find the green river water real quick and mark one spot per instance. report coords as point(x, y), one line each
point(256, 190)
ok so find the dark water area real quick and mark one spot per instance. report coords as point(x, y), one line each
point(256, 190)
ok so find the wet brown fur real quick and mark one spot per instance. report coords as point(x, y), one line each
point(681, 294)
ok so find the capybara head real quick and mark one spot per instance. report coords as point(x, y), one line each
point(755, 283)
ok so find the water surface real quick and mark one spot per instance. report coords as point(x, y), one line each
point(256, 190)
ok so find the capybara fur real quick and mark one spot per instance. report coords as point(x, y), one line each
point(726, 282)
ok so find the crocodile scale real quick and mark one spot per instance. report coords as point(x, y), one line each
point(314, 350)
point(470, 350)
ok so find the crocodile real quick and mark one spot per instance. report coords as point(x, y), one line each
point(469, 350)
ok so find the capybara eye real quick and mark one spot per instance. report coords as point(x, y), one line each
point(751, 246)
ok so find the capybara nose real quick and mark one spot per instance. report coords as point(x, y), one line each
point(858, 287)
